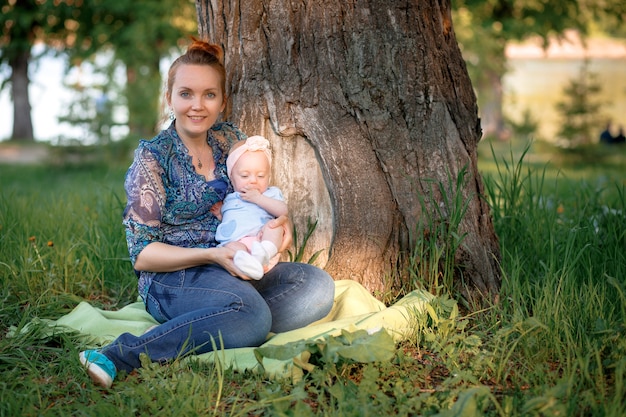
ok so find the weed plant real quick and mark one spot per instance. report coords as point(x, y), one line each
point(432, 263)
point(554, 345)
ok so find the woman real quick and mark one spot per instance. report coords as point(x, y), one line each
point(175, 187)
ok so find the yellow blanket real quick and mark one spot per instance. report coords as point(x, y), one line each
point(354, 309)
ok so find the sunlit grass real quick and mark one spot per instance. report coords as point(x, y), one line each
point(565, 267)
point(554, 345)
point(61, 235)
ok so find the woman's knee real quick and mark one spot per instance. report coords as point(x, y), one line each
point(251, 325)
point(300, 295)
point(319, 283)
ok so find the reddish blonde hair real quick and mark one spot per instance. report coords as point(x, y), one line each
point(199, 53)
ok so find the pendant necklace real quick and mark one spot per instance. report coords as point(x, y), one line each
point(199, 161)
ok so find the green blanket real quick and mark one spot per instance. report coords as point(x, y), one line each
point(354, 310)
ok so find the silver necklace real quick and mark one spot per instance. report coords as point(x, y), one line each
point(199, 162)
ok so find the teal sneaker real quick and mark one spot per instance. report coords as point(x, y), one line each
point(100, 368)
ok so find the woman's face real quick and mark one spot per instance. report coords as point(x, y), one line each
point(197, 100)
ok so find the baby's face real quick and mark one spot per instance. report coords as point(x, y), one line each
point(252, 171)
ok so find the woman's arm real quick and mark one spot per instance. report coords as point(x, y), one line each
point(161, 257)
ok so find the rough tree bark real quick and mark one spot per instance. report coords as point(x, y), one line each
point(365, 102)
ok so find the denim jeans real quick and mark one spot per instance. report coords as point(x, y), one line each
point(204, 305)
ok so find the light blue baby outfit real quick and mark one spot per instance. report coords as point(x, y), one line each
point(241, 218)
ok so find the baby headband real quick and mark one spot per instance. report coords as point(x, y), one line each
point(252, 144)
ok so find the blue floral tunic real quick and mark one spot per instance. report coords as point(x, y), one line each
point(167, 200)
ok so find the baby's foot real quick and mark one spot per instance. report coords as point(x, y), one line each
point(248, 264)
point(263, 251)
point(259, 253)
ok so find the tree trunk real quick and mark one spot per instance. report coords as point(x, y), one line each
point(366, 103)
point(22, 122)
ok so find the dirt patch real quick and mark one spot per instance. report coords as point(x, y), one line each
point(11, 153)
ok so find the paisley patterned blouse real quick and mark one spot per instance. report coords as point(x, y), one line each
point(167, 200)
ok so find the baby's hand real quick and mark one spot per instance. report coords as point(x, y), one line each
point(216, 209)
point(249, 194)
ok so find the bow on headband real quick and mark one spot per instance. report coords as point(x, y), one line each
point(252, 144)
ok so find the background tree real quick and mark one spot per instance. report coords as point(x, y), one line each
point(484, 27)
point(581, 110)
point(370, 109)
point(24, 23)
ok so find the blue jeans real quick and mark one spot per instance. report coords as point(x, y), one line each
point(204, 305)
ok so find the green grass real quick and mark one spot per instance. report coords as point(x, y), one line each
point(554, 345)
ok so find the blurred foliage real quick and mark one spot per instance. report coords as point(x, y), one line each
point(98, 105)
point(527, 127)
point(581, 109)
point(517, 20)
point(140, 34)
point(484, 28)
point(26, 22)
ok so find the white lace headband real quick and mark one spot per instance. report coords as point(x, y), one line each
point(252, 144)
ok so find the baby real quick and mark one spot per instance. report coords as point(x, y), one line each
point(246, 211)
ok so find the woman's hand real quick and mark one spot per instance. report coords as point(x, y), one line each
point(223, 256)
point(285, 223)
point(216, 209)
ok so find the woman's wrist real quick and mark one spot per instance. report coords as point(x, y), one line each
point(210, 256)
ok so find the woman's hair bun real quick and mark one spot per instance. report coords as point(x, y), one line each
point(204, 46)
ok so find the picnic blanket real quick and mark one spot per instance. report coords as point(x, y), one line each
point(355, 311)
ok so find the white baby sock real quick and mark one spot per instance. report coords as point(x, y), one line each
point(248, 264)
point(270, 248)
point(263, 251)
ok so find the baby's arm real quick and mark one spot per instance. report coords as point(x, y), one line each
point(274, 207)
